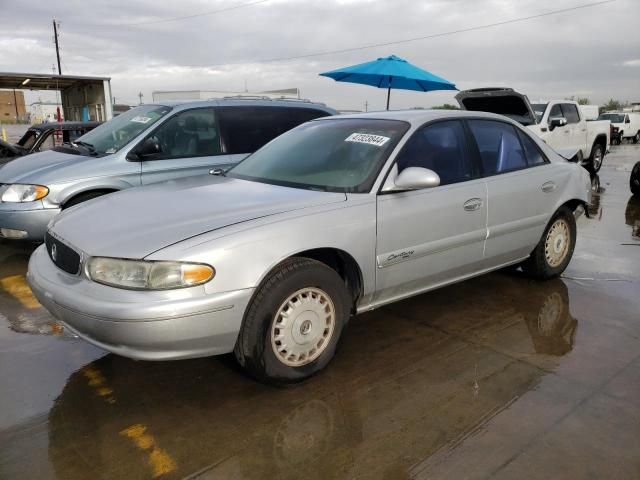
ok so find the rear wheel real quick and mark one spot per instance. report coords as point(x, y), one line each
point(292, 325)
point(634, 181)
point(636, 137)
point(597, 155)
point(555, 249)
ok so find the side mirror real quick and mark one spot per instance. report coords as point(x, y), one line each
point(627, 120)
point(149, 148)
point(416, 178)
point(557, 122)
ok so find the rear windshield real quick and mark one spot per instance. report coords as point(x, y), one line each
point(612, 117)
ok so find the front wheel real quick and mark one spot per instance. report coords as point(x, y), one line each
point(292, 325)
point(636, 137)
point(595, 161)
point(555, 249)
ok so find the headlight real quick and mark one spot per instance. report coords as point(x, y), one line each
point(24, 193)
point(148, 275)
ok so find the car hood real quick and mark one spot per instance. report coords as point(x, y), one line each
point(503, 101)
point(139, 221)
point(35, 168)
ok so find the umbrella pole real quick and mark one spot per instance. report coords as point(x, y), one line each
point(388, 96)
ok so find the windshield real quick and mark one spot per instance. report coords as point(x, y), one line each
point(612, 117)
point(538, 109)
point(340, 155)
point(116, 133)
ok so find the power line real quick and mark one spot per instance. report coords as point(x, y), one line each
point(175, 19)
point(406, 40)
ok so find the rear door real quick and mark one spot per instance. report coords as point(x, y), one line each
point(189, 145)
point(522, 189)
point(244, 129)
point(432, 236)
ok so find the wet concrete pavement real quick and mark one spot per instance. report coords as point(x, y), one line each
point(497, 377)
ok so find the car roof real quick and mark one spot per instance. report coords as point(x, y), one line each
point(63, 125)
point(418, 117)
point(248, 101)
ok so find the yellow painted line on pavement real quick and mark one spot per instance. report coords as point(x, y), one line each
point(99, 383)
point(17, 287)
point(160, 461)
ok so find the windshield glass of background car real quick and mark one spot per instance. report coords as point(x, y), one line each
point(538, 109)
point(343, 155)
point(612, 117)
point(116, 133)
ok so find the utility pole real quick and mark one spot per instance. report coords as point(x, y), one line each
point(55, 38)
point(140, 96)
point(15, 104)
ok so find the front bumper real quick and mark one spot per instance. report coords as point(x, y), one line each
point(165, 325)
point(26, 218)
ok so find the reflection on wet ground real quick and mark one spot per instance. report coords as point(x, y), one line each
point(499, 376)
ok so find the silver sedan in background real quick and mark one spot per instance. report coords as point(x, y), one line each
point(336, 217)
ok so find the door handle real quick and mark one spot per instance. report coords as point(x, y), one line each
point(548, 187)
point(472, 204)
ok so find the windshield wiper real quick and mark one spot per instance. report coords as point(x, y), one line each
point(86, 145)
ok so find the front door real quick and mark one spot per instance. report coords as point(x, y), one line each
point(189, 145)
point(431, 236)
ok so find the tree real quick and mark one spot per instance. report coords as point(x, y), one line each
point(579, 101)
point(612, 105)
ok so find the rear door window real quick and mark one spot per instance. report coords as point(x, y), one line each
point(531, 150)
point(499, 146)
point(246, 129)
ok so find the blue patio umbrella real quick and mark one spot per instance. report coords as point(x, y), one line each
point(391, 72)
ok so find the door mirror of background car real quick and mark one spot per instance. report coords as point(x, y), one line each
point(149, 148)
point(557, 122)
point(416, 178)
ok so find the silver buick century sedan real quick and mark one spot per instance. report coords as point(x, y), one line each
point(336, 217)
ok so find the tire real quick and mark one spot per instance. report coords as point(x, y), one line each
point(636, 137)
point(634, 180)
point(554, 250)
point(264, 346)
point(83, 197)
point(596, 159)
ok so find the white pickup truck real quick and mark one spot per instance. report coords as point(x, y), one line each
point(623, 125)
point(560, 123)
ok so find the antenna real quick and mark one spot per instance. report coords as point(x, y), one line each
point(56, 25)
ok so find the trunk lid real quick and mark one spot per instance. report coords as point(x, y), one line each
point(503, 101)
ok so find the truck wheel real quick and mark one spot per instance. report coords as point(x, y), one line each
point(555, 249)
point(634, 181)
point(595, 161)
point(636, 137)
point(293, 323)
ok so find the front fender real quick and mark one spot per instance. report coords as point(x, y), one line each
point(87, 186)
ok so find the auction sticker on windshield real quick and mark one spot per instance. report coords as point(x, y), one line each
point(368, 138)
point(140, 119)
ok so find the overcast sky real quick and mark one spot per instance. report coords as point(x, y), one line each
point(592, 52)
